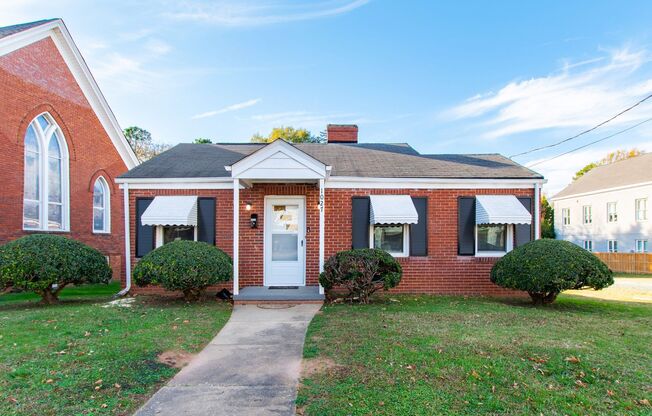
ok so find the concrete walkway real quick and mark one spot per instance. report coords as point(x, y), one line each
point(250, 368)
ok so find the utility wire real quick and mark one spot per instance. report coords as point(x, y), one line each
point(592, 143)
point(536, 149)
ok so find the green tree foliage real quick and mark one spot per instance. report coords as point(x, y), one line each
point(289, 134)
point(188, 266)
point(544, 268)
point(142, 143)
point(45, 264)
point(548, 219)
point(362, 272)
point(609, 158)
point(202, 140)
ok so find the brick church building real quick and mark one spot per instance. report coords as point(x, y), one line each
point(61, 146)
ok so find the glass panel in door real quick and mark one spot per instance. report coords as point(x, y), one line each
point(285, 232)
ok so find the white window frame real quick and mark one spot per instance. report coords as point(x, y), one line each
point(509, 242)
point(53, 132)
point(637, 209)
point(159, 234)
point(588, 245)
point(565, 216)
point(614, 213)
point(106, 208)
point(587, 219)
point(640, 246)
point(612, 246)
point(406, 239)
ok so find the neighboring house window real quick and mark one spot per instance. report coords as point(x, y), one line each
point(101, 206)
point(612, 246)
point(588, 214)
point(393, 238)
point(588, 245)
point(641, 246)
point(612, 213)
point(168, 233)
point(641, 209)
point(493, 239)
point(565, 216)
point(45, 186)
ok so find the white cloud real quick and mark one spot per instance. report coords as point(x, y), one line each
point(582, 94)
point(235, 13)
point(233, 107)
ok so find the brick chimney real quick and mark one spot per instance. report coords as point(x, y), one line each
point(342, 133)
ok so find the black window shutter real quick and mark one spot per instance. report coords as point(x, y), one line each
point(144, 233)
point(523, 232)
point(419, 231)
point(466, 226)
point(206, 220)
point(360, 222)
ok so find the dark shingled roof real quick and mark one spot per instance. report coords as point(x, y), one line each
point(380, 160)
point(13, 29)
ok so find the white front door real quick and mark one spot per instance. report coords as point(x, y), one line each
point(285, 248)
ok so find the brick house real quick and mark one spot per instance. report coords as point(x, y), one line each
point(447, 218)
point(61, 145)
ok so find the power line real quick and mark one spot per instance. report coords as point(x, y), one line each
point(536, 149)
point(591, 143)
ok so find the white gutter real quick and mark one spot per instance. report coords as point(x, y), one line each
point(125, 188)
point(537, 211)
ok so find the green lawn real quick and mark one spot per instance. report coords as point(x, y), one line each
point(80, 358)
point(407, 355)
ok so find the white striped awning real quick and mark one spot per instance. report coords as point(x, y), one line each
point(500, 209)
point(171, 210)
point(392, 209)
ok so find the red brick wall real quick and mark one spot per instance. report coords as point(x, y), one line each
point(35, 79)
point(441, 272)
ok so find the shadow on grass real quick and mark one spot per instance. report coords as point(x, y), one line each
point(563, 304)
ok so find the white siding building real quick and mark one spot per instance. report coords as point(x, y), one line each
point(609, 209)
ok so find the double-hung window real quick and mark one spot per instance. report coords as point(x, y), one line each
point(612, 246)
point(565, 216)
point(393, 238)
point(588, 245)
point(641, 246)
point(101, 206)
point(641, 209)
point(612, 212)
point(45, 176)
point(587, 214)
point(494, 239)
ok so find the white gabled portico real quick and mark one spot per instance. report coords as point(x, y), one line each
point(280, 162)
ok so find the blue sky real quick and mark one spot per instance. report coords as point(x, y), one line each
point(461, 77)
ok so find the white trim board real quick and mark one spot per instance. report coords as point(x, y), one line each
point(59, 34)
point(351, 182)
point(337, 182)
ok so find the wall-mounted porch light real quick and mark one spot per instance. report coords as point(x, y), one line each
point(248, 206)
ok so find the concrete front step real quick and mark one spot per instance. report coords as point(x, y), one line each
point(264, 294)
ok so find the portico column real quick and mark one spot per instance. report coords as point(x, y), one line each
point(322, 201)
point(236, 233)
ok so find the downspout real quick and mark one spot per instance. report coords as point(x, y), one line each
point(537, 212)
point(125, 189)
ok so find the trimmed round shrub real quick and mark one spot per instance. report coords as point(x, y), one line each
point(187, 266)
point(45, 264)
point(362, 272)
point(546, 267)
